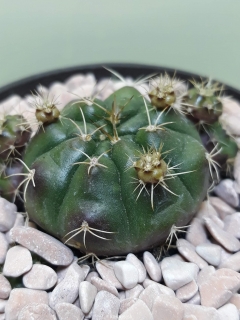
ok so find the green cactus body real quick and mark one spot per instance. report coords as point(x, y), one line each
point(98, 185)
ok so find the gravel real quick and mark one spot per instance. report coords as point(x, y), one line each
point(200, 282)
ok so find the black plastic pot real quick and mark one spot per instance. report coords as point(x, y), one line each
point(24, 86)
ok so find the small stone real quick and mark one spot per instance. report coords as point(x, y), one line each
point(219, 288)
point(19, 221)
point(196, 299)
point(149, 295)
point(188, 251)
point(134, 292)
point(69, 311)
point(139, 265)
point(138, 311)
point(163, 289)
point(235, 299)
point(210, 252)
point(67, 289)
point(21, 297)
point(37, 311)
point(126, 273)
point(8, 213)
point(224, 238)
point(40, 277)
point(18, 261)
point(42, 244)
point(62, 271)
point(3, 247)
point(168, 308)
point(190, 317)
point(205, 274)
point(152, 267)
point(187, 292)
point(228, 312)
point(122, 295)
point(5, 287)
point(104, 285)
point(2, 305)
point(196, 233)
point(85, 269)
point(87, 294)
point(232, 224)
point(233, 262)
point(91, 275)
point(177, 273)
point(105, 269)
point(226, 191)
point(200, 312)
point(106, 306)
point(126, 303)
point(223, 209)
point(75, 82)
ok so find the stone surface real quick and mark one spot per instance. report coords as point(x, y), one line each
point(67, 290)
point(3, 247)
point(139, 265)
point(226, 191)
point(106, 306)
point(152, 267)
point(196, 299)
point(188, 251)
point(126, 303)
point(232, 262)
point(235, 299)
point(232, 224)
point(134, 292)
point(19, 221)
point(91, 275)
point(18, 261)
point(40, 277)
point(166, 308)
point(8, 213)
point(228, 312)
point(163, 289)
point(5, 287)
point(177, 273)
point(210, 252)
point(138, 311)
point(149, 295)
point(186, 292)
point(21, 297)
point(85, 269)
point(219, 288)
point(87, 294)
point(223, 209)
point(126, 273)
point(227, 240)
point(200, 312)
point(205, 274)
point(37, 311)
point(101, 284)
point(2, 305)
point(196, 234)
point(105, 269)
point(42, 244)
point(69, 311)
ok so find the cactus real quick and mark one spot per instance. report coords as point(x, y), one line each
point(112, 177)
point(13, 139)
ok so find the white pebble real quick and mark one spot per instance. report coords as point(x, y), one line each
point(40, 277)
point(18, 261)
point(106, 306)
point(5, 287)
point(210, 252)
point(139, 265)
point(37, 311)
point(87, 294)
point(226, 191)
point(126, 273)
point(228, 312)
point(152, 266)
point(69, 311)
point(8, 213)
point(168, 308)
point(138, 311)
point(3, 247)
point(105, 269)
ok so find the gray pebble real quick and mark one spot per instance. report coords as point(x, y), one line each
point(106, 306)
point(87, 294)
point(40, 277)
point(226, 191)
point(126, 273)
point(37, 311)
point(69, 311)
point(152, 266)
point(67, 289)
point(43, 244)
point(8, 213)
point(18, 261)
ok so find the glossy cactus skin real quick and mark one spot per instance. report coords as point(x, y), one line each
point(88, 178)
